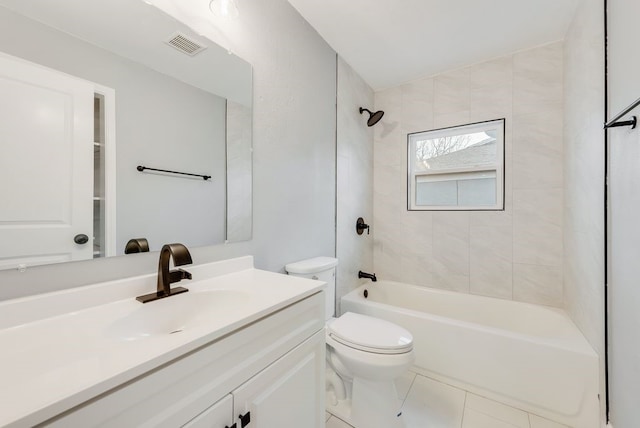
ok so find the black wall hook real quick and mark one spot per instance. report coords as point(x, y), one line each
point(616, 122)
point(631, 122)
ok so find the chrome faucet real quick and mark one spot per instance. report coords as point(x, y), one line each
point(166, 277)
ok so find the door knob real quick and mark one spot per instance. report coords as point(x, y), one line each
point(81, 239)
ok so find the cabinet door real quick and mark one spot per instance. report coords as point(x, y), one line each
point(220, 415)
point(287, 394)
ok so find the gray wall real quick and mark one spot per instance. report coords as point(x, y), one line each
point(161, 123)
point(355, 180)
point(293, 155)
point(584, 175)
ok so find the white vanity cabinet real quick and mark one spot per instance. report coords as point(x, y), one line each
point(271, 369)
point(218, 415)
point(288, 393)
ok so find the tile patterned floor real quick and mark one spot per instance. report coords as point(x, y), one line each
point(432, 404)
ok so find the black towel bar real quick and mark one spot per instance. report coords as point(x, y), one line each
point(142, 168)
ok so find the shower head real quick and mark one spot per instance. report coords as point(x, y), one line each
point(373, 117)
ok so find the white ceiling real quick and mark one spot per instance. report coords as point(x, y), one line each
point(390, 42)
point(135, 30)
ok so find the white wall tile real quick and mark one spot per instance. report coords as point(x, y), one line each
point(389, 144)
point(584, 243)
point(537, 79)
point(451, 250)
point(452, 92)
point(491, 259)
point(389, 193)
point(538, 150)
point(476, 251)
point(490, 102)
point(538, 284)
point(417, 248)
point(494, 73)
point(387, 253)
point(446, 120)
point(537, 227)
point(417, 105)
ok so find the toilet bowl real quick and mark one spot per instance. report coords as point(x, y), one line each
point(365, 355)
point(368, 354)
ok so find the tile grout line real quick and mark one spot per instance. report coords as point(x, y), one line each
point(409, 391)
point(464, 407)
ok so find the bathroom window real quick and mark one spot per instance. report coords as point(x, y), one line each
point(457, 168)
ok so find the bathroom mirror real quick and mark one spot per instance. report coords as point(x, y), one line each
point(92, 91)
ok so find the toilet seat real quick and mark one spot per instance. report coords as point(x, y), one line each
point(370, 334)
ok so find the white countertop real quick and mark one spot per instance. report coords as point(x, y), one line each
point(92, 339)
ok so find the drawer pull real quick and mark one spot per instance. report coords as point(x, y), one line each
point(245, 419)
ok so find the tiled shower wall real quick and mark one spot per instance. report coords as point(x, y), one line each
point(353, 181)
point(584, 234)
point(512, 254)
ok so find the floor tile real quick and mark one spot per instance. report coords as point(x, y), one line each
point(433, 404)
point(538, 422)
point(497, 410)
point(334, 422)
point(327, 415)
point(474, 419)
point(403, 384)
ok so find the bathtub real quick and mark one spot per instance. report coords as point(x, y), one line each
point(527, 356)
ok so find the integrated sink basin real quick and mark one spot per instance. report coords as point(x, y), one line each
point(175, 314)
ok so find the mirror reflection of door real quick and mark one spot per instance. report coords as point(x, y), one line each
point(46, 208)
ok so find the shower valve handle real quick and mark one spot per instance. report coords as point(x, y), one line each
point(361, 226)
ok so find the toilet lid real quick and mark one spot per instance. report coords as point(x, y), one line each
point(370, 334)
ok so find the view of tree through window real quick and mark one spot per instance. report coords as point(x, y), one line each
point(457, 168)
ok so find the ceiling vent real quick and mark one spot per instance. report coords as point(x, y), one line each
point(184, 44)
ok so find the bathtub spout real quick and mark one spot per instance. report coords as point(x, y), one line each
point(371, 276)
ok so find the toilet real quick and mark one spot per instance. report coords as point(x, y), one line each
point(365, 355)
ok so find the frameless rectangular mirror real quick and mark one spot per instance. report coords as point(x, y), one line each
point(118, 122)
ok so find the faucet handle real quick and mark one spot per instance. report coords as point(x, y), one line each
point(186, 275)
point(178, 275)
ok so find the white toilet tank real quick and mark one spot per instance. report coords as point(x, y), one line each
point(322, 269)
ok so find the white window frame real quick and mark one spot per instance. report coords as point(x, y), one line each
point(497, 125)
